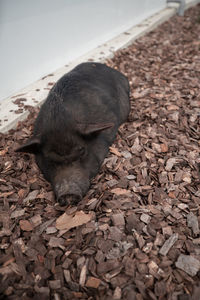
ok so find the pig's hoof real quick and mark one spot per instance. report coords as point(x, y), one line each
point(69, 199)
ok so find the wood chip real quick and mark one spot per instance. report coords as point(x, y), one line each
point(115, 151)
point(55, 242)
point(107, 266)
point(25, 225)
point(54, 284)
point(31, 196)
point(66, 222)
point(93, 282)
point(83, 275)
point(172, 107)
point(126, 154)
point(145, 218)
point(51, 230)
point(118, 219)
point(36, 220)
point(119, 191)
point(167, 230)
point(117, 293)
point(168, 244)
point(153, 267)
point(188, 264)
point(170, 163)
point(17, 213)
point(164, 148)
point(67, 275)
point(193, 223)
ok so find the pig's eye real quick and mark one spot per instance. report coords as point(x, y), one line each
point(81, 150)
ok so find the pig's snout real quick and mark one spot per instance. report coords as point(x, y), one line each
point(69, 199)
point(68, 193)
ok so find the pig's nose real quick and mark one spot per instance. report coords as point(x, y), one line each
point(67, 199)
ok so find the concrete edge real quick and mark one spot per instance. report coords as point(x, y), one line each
point(34, 94)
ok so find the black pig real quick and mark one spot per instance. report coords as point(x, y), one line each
point(75, 127)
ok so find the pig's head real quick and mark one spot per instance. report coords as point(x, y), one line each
point(65, 159)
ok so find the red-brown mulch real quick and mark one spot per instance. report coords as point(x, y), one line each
point(136, 233)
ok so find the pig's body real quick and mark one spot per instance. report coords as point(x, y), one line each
point(76, 125)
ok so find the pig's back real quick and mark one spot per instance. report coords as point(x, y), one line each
point(90, 93)
point(94, 92)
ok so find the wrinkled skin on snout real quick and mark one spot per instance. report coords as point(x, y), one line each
point(75, 127)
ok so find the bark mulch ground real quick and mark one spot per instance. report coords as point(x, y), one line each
point(136, 233)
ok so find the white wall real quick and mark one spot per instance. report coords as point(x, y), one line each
point(37, 37)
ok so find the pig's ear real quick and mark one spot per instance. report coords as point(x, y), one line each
point(90, 128)
point(31, 146)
